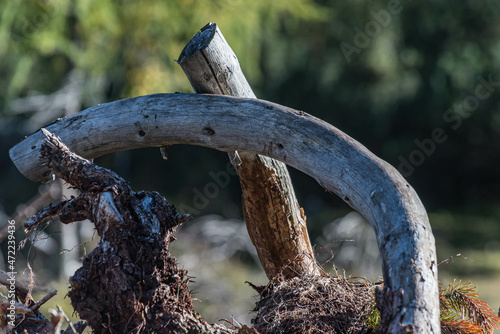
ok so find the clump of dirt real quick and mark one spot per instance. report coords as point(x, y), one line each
point(129, 283)
point(313, 304)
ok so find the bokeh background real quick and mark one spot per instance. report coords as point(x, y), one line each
point(417, 82)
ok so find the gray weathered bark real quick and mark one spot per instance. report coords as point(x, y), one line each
point(275, 222)
point(338, 162)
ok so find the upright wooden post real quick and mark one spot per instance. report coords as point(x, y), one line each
point(275, 222)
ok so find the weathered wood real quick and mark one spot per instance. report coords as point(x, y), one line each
point(338, 162)
point(272, 214)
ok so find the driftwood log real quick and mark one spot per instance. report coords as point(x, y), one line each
point(409, 301)
point(275, 222)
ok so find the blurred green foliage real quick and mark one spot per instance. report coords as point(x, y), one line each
point(413, 67)
point(127, 44)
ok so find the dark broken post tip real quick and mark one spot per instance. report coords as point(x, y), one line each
point(206, 26)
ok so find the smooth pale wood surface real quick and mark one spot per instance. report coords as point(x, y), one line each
point(273, 217)
point(338, 162)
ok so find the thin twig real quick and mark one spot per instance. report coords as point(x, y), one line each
point(42, 301)
point(59, 308)
point(451, 258)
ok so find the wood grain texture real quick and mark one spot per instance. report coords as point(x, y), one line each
point(272, 214)
point(338, 162)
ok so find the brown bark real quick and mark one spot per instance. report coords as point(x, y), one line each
point(275, 222)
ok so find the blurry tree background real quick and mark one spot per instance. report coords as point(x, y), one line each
point(417, 82)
